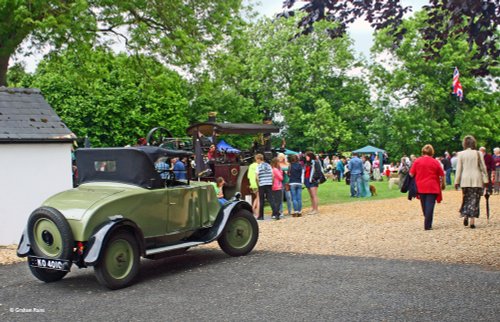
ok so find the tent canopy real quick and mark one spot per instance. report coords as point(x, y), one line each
point(369, 149)
point(290, 152)
point(223, 146)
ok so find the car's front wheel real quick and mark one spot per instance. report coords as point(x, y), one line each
point(240, 234)
point(119, 263)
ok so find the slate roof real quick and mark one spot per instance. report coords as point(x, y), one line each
point(25, 116)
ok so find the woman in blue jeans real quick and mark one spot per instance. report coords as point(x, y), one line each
point(296, 175)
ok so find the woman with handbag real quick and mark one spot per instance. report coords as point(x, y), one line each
point(429, 179)
point(312, 174)
point(471, 176)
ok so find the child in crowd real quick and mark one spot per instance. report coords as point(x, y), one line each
point(219, 190)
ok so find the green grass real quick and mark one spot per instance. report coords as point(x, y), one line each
point(338, 192)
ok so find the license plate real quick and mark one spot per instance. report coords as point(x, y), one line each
point(48, 263)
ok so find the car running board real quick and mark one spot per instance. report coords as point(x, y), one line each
point(164, 249)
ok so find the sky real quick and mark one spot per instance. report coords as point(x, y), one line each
point(360, 30)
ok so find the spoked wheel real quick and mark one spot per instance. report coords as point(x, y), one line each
point(240, 234)
point(158, 136)
point(51, 237)
point(119, 264)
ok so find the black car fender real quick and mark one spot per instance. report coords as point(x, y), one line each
point(24, 247)
point(99, 238)
point(223, 216)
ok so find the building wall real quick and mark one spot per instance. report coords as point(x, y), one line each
point(29, 174)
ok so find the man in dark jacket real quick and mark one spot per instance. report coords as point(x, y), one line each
point(490, 166)
point(447, 167)
point(356, 170)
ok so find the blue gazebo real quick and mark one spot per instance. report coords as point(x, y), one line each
point(372, 150)
point(290, 152)
point(369, 150)
point(223, 146)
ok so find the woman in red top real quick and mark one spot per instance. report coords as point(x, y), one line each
point(428, 174)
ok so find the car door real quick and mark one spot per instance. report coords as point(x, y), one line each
point(183, 209)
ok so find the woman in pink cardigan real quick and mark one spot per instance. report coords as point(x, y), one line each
point(277, 189)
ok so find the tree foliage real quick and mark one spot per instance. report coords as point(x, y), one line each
point(178, 31)
point(112, 99)
point(446, 20)
point(303, 85)
point(478, 19)
point(415, 101)
point(308, 85)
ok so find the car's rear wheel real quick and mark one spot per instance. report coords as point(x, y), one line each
point(119, 262)
point(240, 234)
point(50, 237)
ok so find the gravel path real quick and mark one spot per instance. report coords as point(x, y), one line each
point(390, 229)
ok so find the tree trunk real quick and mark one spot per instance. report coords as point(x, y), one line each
point(4, 65)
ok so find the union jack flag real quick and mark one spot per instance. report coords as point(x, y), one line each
point(456, 86)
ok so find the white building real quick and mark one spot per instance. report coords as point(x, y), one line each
point(35, 158)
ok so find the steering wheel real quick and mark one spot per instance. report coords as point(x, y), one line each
point(170, 181)
point(158, 136)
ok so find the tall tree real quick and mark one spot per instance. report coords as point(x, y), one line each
point(445, 21)
point(415, 102)
point(308, 81)
point(179, 31)
point(298, 83)
point(113, 99)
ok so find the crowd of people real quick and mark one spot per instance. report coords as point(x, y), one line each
point(164, 166)
point(280, 182)
point(475, 173)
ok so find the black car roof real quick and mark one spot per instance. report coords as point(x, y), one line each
point(134, 165)
point(154, 152)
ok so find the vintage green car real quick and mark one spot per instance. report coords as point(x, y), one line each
point(125, 208)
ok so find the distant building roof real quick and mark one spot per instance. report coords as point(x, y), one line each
point(25, 116)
